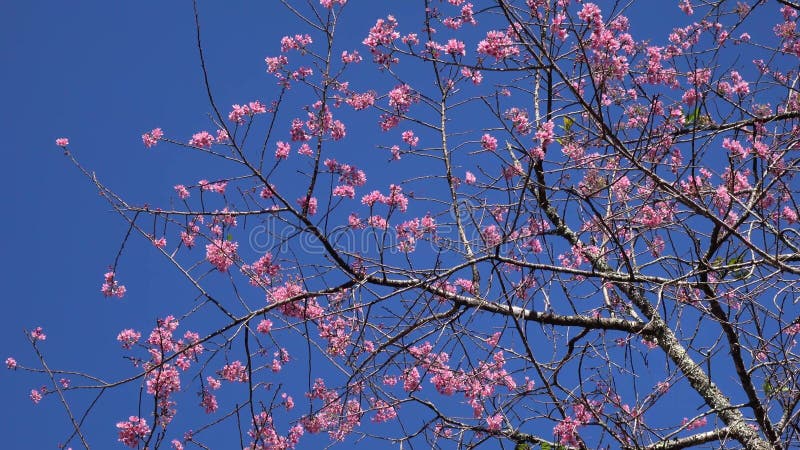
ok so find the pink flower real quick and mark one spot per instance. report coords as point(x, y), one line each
point(213, 383)
point(497, 44)
point(288, 401)
point(298, 42)
point(111, 287)
point(474, 75)
point(160, 242)
point(372, 198)
point(401, 98)
point(491, 235)
point(789, 214)
point(377, 222)
point(275, 64)
point(792, 329)
point(11, 363)
point(238, 113)
point(385, 412)
point(305, 150)
point(218, 187)
point(488, 142)
point(150, 139)
point(208, 401)
point(545, 133)
point(410, 39)
point(36, 396)
point(494, 339)
point(396, 198)
point(221, 253)
point(338, 130)
point(265, 326)
point(567, 431)
point(38, 334)
point(235, 371)
point(591, 13)
point(389, 121)
point(351, 58)
point(132, 431)
point(283, 150)
point(163, 381)
point(202, 140)
point(354, 222)
point(329, 3)
point(455, 47)
point(182, 192)
point(694, 424)
point(495, 422)
point(344, 191)
point(361, 101)
point(128, 337)
point(409, 138)
point(469, 178)
point(309, 204)
point(382, 33)
point(62, 142)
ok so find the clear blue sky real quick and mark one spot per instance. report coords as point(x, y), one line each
point(101, 73)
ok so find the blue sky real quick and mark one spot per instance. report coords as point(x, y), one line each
point(101, 74)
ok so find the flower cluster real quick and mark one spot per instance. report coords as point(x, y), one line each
point(111, 286)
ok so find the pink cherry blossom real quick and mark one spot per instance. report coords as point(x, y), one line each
point(36, 396)
point(202, 140)
point(498, 44)
point(282, 152)
point(409, 138)
point(128, 338)
point(38, 334)
point(329, 3)
point(694, 424)
point(234, 371)
point(495, 422)
point(489, 142)
point(351, 58)
point(309, 204)
point(132, 431)
point(183, 193)
point(264, 326)
point(221, 253)
point(469, 178)
point(151, 138)
point(111, 286)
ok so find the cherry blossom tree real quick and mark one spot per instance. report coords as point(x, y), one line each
point(581, 234)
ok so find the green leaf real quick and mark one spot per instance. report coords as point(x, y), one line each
point(229, 237)
point(568, 122)
point(737, 259)
point(768, 388)
point(739, 274)
point(691, 117)
point(545, 446)
point(522, 446)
